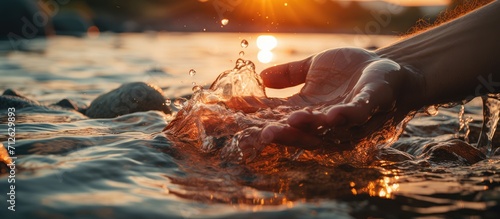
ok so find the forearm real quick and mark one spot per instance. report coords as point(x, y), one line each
point(454, 58)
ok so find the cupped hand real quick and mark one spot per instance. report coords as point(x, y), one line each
point(349, 94)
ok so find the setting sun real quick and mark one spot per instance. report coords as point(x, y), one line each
point(266, 42)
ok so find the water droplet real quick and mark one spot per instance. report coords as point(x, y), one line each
point(180, 102)
point(192, 72)
point(193, 83)
point(242, 53)
point(239, 64)
point(432, 110)
point(244, 43)
point(224, 21)
point(336, 141)
point(168, 102)
point(197, 88)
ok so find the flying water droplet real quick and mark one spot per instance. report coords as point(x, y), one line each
point(168, 102)
point(239, 64)
point(242, 53)
point(224, 21)
point(244, 43)
point(180, 102)
point(192, 72)
point(432, 110)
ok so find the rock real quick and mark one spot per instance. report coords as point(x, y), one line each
point(67, 104)
point(12, 98)
point(128, 98)
point(455, 151)
point(70, 23)
point(393, 155)
point(21, 21)
point(8, 101)
point(19, 18)
point(11, 92)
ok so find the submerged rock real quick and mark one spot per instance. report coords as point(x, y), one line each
point(455, 151)
point(11, 92)
point(128, 98)
point(67, 104)
point(12, 98)
point(8, 101)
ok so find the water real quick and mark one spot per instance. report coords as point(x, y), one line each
point(192, 72)
point(70, 166)
point(244, 43)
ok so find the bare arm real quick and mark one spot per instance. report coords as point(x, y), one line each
point(455, 57)
point(366, 91)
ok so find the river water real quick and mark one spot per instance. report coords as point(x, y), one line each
point(70, 166)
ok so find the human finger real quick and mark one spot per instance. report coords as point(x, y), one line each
point(286, 75)
point(290, 136)
point(307, 121)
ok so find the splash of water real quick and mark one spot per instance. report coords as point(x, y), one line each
point(227, 120)
point(463, 124)
point(180, 102)
point(491, 115)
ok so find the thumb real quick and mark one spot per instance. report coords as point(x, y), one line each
point(286, 75)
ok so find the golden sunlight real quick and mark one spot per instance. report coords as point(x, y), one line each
point(4, 155)
point(265, 56)
point(266, 42)
point(416, 2)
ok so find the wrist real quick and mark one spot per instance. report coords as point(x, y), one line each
point(411, 88)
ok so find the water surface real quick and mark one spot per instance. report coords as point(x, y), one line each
point(70, 166)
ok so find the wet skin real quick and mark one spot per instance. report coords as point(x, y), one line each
point(348, 94)
point(353, 93)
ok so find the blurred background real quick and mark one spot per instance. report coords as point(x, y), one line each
point(29, 18)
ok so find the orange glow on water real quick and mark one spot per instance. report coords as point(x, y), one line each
point(4, 155)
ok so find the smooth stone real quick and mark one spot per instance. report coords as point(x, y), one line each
point(393, 155)
point(70, 23)
point(17, 19)
point(455, 151)
point(11, 92)
point(8, 101)
point(128, 98)
point(67, 104)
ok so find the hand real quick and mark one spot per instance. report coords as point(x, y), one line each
point(349, 94)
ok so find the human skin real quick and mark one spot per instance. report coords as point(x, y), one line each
point(361, 92)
